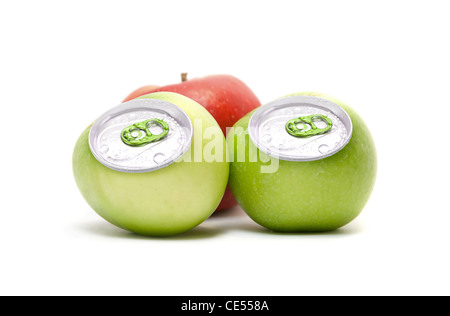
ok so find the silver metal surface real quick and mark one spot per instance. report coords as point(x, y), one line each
point(109, 149)
point(267, 129)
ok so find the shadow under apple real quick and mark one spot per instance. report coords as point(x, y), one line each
point(107, 230)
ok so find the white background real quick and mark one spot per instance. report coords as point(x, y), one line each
point(64, 63)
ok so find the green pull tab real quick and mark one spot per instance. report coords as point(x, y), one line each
point(298, 127)
point(132, 135)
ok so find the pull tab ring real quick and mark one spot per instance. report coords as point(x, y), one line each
point(132, 135)
point(307, 126)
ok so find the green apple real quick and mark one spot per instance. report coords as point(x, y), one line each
point(163, 202)
point(320, 195)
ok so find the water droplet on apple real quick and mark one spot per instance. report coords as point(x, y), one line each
point(159, 158)
point(267, 138)
point(324, 149)
point(104, 149)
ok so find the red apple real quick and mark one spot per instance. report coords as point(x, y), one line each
point(227, 98)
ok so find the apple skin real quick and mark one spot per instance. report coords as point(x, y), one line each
point(311, 196)
point(227, 99)
point(140, 92)
point(164, 202)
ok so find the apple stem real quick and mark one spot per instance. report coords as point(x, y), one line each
point(183, 76)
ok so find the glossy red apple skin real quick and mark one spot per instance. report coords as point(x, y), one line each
point(226, 97)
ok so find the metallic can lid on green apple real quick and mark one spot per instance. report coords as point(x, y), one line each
point(300, 128)
point(141, 135)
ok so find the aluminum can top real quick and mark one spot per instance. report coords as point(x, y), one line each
point(300, 128)
point(141, 135)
